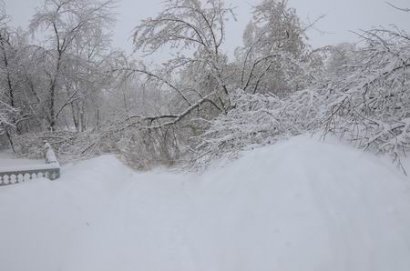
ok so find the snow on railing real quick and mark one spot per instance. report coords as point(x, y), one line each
point(19, 174)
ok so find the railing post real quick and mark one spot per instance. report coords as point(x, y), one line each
point(49, 153)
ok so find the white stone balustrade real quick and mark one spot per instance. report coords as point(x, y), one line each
point(20, 174)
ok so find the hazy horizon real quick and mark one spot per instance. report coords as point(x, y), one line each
point(341, 18)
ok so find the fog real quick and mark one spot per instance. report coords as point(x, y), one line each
point(341, 18)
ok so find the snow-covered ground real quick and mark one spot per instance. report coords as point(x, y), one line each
point(299, 205)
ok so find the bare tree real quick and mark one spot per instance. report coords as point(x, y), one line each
point(7, 92)
point(399, 8)
point(198, 28)
point(71, 24)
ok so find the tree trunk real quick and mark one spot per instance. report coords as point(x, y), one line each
point(52, 92)
point(8, 134)
point(82, 118)
point(74, 115)
point(11, 92)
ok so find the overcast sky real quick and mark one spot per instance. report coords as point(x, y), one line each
point(341, 17)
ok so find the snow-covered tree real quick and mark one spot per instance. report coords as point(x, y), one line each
point(257, 120)
point(369, 103)
point(197, 29)
point(8, 111)
point(274, 43)
point(75, 30)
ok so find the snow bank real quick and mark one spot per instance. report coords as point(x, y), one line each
point(299, 205)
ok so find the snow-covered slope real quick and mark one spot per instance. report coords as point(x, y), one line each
point(299, 205)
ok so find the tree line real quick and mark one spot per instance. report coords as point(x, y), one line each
point(69, 86)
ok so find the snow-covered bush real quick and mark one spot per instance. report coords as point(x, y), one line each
point(370, 103)
point(140, 148)
point(259, 119)
point(364, 98)
point(68, 146)
point(146, 148)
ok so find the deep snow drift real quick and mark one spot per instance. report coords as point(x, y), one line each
point(299, 205)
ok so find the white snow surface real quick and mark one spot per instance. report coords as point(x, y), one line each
point(299, 205)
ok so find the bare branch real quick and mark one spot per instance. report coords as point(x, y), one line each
point(157, 77)
point(399, 8)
